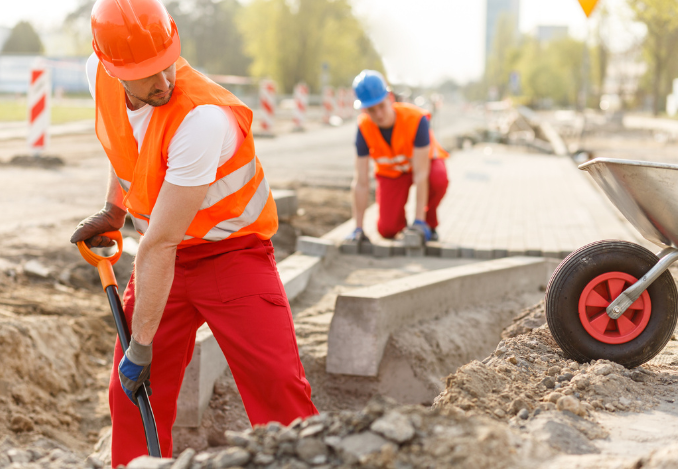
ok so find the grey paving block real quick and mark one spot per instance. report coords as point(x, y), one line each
point(515, 252)
point(415, 252)
point(285, 202)
point(398, 248)
point(466, 253)
point(500, 253)
point(433, 249)
point(484, 254)
point(315, 246)
point(366, 248)
point(365, 318)
point(349, 247)
point(381, 250)
point(449, 252)
point(533, 252)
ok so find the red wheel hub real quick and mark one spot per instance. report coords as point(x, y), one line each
point(598, 294)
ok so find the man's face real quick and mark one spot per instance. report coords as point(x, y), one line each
point(382, 114)
point(155, 90)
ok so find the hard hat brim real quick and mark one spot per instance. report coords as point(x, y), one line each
point(358, 104)
point(163, 60)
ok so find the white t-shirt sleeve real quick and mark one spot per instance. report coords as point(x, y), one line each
point(91, 71)
point(206, 139)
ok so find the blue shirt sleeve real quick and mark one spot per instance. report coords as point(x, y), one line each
point(361, 144)
point(422, 138)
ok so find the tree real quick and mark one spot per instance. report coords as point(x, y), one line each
point(661, 21)
point(23, 40)
point(210, 39)
point(290, 41)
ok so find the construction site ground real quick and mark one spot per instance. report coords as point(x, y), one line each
point(513, 403)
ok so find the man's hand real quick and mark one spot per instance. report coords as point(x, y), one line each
point(135, 369)
point(422, 227)
point(110, 218)
point(357, 235)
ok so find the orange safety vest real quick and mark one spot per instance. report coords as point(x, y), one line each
point(396, 159)
point(238, 202)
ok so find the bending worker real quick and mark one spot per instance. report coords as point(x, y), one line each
point(184, 168)
point(398, 138)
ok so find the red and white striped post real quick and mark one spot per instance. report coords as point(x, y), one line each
point(341, 102)
point(267, 103)
point(39, 91)
point(300, 105)
point(329, 104)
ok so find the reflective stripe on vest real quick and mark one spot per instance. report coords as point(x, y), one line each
point(124, 184)
point(251, 213)
point(230, 184)
point(391, 159)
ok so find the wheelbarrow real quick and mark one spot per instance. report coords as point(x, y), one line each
point(616, 300)
point(105, 267)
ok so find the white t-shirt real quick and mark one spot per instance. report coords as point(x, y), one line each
point(206, 139)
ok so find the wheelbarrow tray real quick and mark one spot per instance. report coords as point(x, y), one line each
point(645, 193)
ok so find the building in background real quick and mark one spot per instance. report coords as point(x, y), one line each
point(495, 10)
point(548, 33)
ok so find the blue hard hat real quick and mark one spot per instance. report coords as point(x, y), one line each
point(370, 89)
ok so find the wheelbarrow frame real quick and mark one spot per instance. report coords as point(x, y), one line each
point(646, 193)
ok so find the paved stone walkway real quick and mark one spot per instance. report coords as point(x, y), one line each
point(505, 202)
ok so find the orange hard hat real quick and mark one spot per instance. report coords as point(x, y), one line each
point(134, 38)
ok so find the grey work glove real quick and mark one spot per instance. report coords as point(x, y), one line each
point(109, 218)
point(134, 369)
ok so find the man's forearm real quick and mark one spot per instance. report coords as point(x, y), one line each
point(114, 193)
point(361, 196)
point(154, 273)
point(422, 197)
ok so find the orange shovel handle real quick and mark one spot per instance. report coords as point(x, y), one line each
point(103, 264)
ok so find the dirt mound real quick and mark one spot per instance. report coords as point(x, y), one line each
point(55, 345)
point(528, 374)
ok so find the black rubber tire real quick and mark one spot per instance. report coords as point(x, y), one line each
point(576, 271)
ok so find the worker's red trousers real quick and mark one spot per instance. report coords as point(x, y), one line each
point(234, 286)
point(392, 196)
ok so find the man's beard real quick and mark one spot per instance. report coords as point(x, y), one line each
point(155, 102)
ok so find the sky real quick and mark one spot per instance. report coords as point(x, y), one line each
point(422, 41)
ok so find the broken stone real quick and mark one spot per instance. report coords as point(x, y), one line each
point(36, 269)
point(548, 382)
point(553, 371)
point(523, 414)
point(565, 377)
point(237, 439)
point(553, 397)
point(263, 459)
point(184, 460)
point(147, 462)
point(394, 426)
point(311, 430)
point(312, 451)
point(571, 404)
point(232, 457)
point(361, 444)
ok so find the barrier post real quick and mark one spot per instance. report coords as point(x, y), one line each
point(267, 104)
point(300, 106)
point(39, 91)
point(329, 104)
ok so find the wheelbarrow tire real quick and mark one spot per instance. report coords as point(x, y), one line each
point(571, 278)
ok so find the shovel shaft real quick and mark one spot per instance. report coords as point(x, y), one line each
point(147, 417)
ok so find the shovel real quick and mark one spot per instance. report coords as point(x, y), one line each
point(105, 267)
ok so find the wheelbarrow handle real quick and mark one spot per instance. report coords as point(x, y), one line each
point(105, 267)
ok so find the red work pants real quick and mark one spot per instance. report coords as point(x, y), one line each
point(392, 196)
point(234, 286)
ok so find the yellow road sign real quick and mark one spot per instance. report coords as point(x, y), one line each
point(588, 6)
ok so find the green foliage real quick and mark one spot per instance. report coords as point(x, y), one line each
point(23, 40)
point(290, 41)
point(209, 37)
point(661, 40)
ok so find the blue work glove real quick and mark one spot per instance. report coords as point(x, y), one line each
point(135, 369)
point(357, 235)
point(423, 228)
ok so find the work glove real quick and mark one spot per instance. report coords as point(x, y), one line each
point(357, 235)
point(109, 218)
point(422, 227)
point(135, 369)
